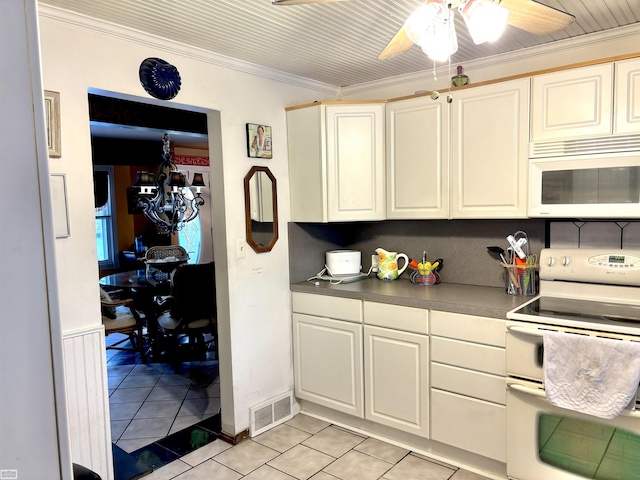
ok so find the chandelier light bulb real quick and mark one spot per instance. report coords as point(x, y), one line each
point(164, 197)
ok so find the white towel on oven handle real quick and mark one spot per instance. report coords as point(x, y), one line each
point(592, 375)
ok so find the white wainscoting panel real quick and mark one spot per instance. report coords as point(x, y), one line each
point(88, 399)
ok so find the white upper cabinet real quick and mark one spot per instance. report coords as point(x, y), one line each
point(417, 159)
point(627, 98)
point(490, 126)
point(572, 103)
point(336, 162)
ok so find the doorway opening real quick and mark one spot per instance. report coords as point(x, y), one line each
point(160, 407)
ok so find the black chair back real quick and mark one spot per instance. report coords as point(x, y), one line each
point(193, 291)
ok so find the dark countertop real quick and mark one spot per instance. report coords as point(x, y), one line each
point(447, 297)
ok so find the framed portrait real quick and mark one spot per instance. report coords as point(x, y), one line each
point(259, 143)
point(52, 116)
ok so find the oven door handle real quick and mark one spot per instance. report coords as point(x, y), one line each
point(528, 390)
point(525, 331)
point(541, 394)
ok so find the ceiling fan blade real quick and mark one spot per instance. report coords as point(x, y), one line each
point(399, 44)
point(535, 17)
point(301, 2)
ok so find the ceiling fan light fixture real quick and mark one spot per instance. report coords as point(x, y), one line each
point(417, 25)
point(485, 20)
point(440, 39)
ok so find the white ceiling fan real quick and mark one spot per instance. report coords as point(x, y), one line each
point(431, 25)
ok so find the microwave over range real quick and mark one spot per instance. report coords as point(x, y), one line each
point(603, 185)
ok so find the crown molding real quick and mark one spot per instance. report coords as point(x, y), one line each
point(588, 40)
point(122, 33)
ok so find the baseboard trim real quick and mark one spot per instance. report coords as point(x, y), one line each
point(234, 439)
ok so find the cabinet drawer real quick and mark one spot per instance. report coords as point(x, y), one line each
point(488, 331)
point(469, 424)
point(468, 355)
point(483, 386)
point(340, 308)
point(398, 317)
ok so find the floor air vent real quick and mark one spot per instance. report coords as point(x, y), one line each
point(270, 413)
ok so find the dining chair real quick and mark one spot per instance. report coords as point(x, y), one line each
point(120, 316)
point(191, 312)
point(161, 260)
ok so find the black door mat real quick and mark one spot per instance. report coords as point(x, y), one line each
point(134, 465)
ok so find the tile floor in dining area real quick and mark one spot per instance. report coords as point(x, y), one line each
point(150, 401)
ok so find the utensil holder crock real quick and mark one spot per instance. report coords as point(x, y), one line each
point(521, 279)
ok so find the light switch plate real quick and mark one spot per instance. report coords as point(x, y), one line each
point(241, 248)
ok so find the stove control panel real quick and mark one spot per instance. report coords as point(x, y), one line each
point(613, 267)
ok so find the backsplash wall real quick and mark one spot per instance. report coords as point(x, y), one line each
point(461, 243)
point(595, 234)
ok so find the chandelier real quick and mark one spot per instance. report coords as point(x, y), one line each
point(431, 26)
point(165, 198)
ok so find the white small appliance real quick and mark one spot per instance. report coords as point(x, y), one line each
point(343, 262)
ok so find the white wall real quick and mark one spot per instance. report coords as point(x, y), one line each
point(255, 326)
point(34, 441)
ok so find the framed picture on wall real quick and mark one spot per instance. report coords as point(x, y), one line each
point(52, 116)
point(259, 141)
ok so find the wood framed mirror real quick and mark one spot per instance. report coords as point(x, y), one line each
point(261, 209)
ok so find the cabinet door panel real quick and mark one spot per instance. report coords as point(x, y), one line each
point(328, 363)
point(628, 96)
point(355, 162)
point(397, 379)
point(572, 103)
point(473, 425)
point(489, 161)
point(417, 159)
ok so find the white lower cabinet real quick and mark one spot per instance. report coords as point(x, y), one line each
point(396, 368)
point(328, 359)
point(328, 352)
point(468, 397)
point(436, 375)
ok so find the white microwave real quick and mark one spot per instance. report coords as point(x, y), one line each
point(585, 186)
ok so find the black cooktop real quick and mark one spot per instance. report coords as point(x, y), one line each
point(582, 310)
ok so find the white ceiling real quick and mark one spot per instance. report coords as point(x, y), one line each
point(333, 43)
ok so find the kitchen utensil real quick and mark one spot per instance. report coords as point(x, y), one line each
point(388, 264)
point(516, 245)
point(498, 250)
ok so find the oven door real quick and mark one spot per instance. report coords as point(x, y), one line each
point(547, 442)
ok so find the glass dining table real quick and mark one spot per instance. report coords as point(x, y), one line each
point(136, 285)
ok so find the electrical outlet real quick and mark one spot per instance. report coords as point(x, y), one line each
point(241, 248)
point(374, 263)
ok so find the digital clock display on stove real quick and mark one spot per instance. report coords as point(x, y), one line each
point(616, 258)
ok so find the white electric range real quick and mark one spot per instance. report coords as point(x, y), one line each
point(592, 292)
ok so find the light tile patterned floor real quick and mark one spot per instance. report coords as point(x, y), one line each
point(149, 401)
point(307, 448)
